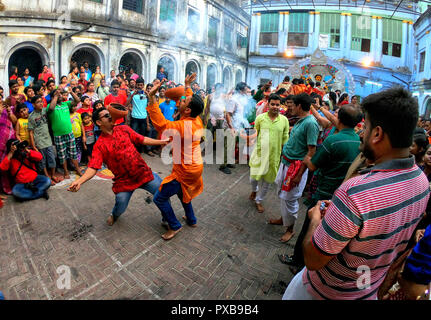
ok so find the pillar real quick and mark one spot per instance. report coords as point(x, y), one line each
point(286, 29)
point(374, 46)
point(404, 44)
point(316, 30)
point(348, 37)
point(343, 34)
point(310, 32)
point(280, 44)
point(379, 41)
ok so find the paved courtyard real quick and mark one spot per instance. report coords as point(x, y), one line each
point(231, 255)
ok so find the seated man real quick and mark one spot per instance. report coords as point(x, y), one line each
point(21, 163)
point(116, 147)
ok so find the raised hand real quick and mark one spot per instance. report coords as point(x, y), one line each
point(190, 79)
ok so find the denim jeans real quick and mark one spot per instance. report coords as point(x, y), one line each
point(162, 201)
point(42, 183)
point(122, 199)
point(139, 126)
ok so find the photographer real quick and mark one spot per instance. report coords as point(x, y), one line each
point(21, 163)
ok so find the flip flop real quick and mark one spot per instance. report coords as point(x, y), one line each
point(171, 235)
point(190, 225)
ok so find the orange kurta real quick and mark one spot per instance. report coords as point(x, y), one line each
point(189, 172)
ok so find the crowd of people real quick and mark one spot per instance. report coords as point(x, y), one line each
point(363, 168)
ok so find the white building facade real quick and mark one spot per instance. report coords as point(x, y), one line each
point(209, 37)
point(374, 41)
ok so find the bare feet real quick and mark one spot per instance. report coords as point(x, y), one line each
point(170, 234)
point(3, 197)
point(276, 221)
point(288, 235)
point(55, 179)
point(52, 183)
point(190, 225)
point(260, 208)
point(66, 176)
point(110, 221)
point(252, 196)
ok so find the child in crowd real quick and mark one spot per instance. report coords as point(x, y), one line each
point(89, 134)
point(85, 106)
point(21, 127)
point(40, 139)
point(97, 132)
point(78, 130)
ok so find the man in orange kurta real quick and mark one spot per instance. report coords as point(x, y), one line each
point(185, 181)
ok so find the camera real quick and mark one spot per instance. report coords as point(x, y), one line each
point(20, 145)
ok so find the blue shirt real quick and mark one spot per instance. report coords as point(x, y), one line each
point(29, 106)
point(89, 74)
point(168, 110)
point(139, 110)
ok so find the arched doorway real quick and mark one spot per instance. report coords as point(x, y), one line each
point(238, 76)
point(131, 60)
point(211, 76)
point(26, 58)
point(88, 54)
point(227, 78)
point(192, 67)
point(428, 109)
point(169, 65)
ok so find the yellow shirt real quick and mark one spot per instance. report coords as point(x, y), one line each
point(76, 124)
point(23, 129)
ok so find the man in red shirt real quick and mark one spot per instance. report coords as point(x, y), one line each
point(116, 147)
point(116, 97)
point(22, 166)
point(83, 82)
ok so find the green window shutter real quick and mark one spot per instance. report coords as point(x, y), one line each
point(298, 22)
point(269, 22)
point(361, 26)
point(392, 31)
point(330, 23)
point(168, 10)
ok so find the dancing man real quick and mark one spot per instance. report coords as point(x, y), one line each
point(185, 180)
point(116, 147)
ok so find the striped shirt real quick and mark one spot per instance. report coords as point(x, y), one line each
point(368, 225)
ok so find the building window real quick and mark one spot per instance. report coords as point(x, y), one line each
point(422, 62)
point(193, 24)
point(228, 37)
point(269, 29)
point(212, 32)
point(392, 37)
point(241, 41)
point(168, 10)
point(133, 5)
point(298, 29)
point(99, 1)
point(361, 33)
point(330, 25)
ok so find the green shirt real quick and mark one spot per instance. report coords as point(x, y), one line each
point(304, 133)
point(265, 159)
point(334, 158)
point(38, 123)
point(60, 119)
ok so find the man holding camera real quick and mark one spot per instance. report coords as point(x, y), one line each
point(21, 163)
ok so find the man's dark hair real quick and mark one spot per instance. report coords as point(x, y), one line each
point(20, 107)
point(76, 88)
point(304, 100)
point(314, 95)
point(36, 88)
point(115, 83)
point(273, 96)
point(350, 115)
point(421, 140)
point(241, 86)
point(121, 76)
point(149, 85)
point(12, 83)
point(396, 111)
point(28, 88)
point(301, 81)
point(140, 80)
point(96, 114)
point(197, 105)
point(333, 97)
point(286, 79)
point(85, 114)
point(35, 98)
point(281, 91)
point(317, 84)
point(311, 83)
point(290, 97)
point(83, 99)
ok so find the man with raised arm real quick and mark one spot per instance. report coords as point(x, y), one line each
point(185, 181)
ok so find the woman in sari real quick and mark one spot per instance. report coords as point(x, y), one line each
point(27, 78)
point(7, 123)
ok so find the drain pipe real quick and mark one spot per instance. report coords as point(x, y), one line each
point(60, 41)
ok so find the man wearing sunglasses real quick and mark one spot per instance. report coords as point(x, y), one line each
point(185, 180)
point(116, 147)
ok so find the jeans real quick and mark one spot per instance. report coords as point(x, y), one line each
point(122, 198)
point(139, 126)
point(161, 199)
point(42, 183)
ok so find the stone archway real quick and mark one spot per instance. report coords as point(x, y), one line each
point(193, 67)
point(132, 59)
point(26, 55)
point(211, 75)
point(168, 63)
point(427, 104)
point(238, 76)
point(227, 78)
point(89, 53)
